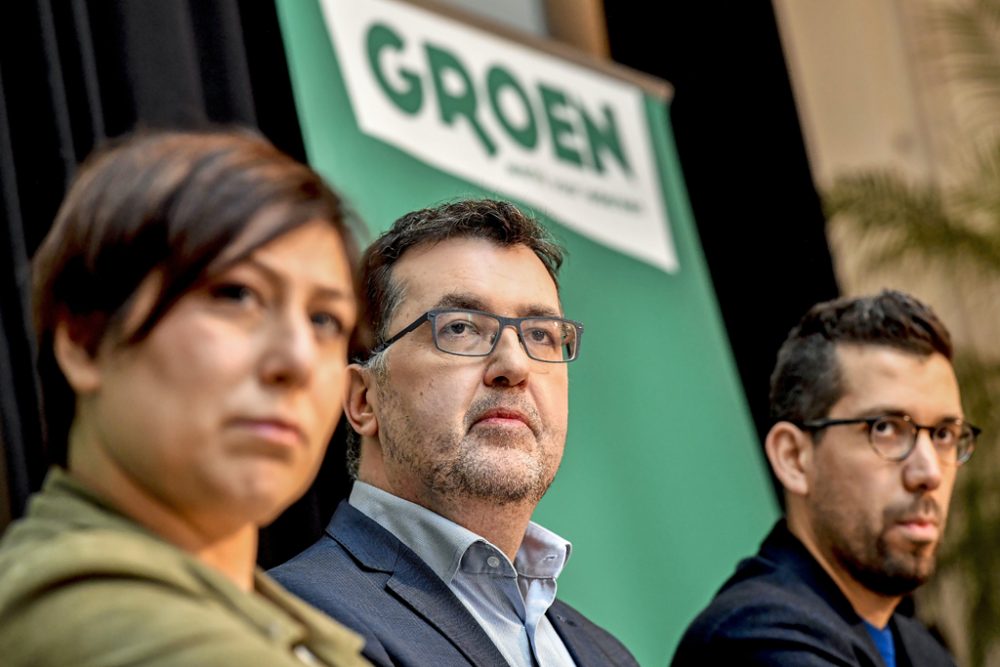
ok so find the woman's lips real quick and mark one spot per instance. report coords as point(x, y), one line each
point(273, 430)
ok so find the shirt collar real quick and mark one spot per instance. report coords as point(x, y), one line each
point(543, 554)
point(441, 543)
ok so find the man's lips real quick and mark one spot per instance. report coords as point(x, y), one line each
point(503, 417)
point(920, 528)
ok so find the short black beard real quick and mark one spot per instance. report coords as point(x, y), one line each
point(884, 573)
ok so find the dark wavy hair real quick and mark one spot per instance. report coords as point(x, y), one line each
point(806, 381)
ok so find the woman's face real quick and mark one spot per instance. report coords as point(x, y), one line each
point(222, 414)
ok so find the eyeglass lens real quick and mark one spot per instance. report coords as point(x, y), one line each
point(473, 334)
point(894, 436)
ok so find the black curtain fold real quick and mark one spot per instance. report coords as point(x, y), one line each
point(20, 424)
point(740, 145)
point(73, 73)
point(84, 85)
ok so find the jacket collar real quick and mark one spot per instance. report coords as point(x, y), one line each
point(412, 581)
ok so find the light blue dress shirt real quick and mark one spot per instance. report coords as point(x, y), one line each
point(508, 600)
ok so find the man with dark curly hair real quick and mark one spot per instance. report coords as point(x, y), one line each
point(867, 439)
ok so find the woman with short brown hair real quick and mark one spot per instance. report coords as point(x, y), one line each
point(195, 298)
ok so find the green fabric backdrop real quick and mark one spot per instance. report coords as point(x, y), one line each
point(663, 486)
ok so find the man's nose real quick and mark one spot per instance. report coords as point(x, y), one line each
point(509, 363)
point(922, 468)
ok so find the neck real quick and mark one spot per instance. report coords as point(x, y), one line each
point(876, 608)
point(502, 524)
point(230, 549)
point(234, 556)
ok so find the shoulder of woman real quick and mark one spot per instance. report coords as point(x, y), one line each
point(97, 596)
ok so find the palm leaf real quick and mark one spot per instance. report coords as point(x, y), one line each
point(957, 230)
point(974, 55)
point(911, 221)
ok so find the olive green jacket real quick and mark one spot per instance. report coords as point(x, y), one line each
point(82, 585)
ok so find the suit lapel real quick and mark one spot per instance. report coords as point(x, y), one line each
point(415, 583)
point(422, 590)
point(579, 643)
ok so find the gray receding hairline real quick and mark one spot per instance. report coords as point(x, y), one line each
point(395, 293)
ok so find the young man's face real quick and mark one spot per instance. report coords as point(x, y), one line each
point(453, 427)
point(877, 521)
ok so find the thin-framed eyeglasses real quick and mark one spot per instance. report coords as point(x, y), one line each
point(474, 333)
point(894, 437)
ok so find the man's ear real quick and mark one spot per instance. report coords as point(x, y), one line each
point(76, 362)
point(790, 452)
point(358, 406)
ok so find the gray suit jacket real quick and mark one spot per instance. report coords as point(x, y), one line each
point(364, 577)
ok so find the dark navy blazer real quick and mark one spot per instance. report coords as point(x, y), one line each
point(781, 608)
point(364, 577)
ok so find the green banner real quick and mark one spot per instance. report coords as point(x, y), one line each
point(662, 487)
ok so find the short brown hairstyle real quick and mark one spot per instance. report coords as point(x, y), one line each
point(498, 221)
point(185, 204)
point(806, 381)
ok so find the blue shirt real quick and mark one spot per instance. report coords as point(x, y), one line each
point(509, 600)
point(883, 642)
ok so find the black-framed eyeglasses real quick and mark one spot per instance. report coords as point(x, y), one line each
point(893, 437)
point(474, 333)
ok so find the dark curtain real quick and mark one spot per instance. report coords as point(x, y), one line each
point(73, 73)
point(740, 145)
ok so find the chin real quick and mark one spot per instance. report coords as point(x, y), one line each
point(896, 574)
point(261, 506)
point(264, 512)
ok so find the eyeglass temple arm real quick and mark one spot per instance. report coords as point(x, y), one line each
point(413, 325)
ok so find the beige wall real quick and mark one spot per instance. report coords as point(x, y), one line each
point(875, 90)
point(869, 86)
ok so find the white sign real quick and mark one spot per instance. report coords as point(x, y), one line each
point(569, 141)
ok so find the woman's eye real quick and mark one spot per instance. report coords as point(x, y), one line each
point(327, 323)
point(235, 292)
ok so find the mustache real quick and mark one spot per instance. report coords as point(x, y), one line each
point(924, 507)
point(489, 403)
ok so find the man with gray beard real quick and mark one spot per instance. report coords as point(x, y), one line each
point(459, 416)
point(867, 439)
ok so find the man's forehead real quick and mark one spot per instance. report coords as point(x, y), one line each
point(884, 379)
point(472, 301)
point(862, 361)
point(470, 272)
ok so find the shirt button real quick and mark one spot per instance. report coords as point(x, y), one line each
point(493, 561)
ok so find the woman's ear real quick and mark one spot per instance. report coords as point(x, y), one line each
point(358, 401)
point(80, 367)
point(790, 453)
